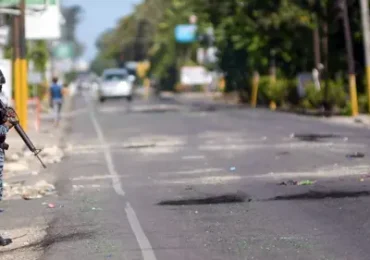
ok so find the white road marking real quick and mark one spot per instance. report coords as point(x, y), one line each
point(209, 180)
point(108, 157)
point(94, 177)
point(195, 171)
point(146, 247)
point(325, 172)
point(144, 244)
point(193, 157)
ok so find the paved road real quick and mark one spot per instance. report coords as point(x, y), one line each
point(159, 180)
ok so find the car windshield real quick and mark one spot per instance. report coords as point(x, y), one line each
point(115, 77)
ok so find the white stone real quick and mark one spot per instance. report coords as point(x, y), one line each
point(16, 166)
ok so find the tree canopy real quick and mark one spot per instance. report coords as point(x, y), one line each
point(249, 34)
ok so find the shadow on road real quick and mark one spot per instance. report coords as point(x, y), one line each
point(314, 137)
point(315, 195)
point(222, 199)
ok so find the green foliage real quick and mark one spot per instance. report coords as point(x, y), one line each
point(100, 64)
point(73, 16)
point(70, 76)
point(336, 95)
point(363, 103)
point(283, 91)
point(38, 54)
point(249, 35)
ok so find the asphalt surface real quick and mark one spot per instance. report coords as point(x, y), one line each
point(166, 180)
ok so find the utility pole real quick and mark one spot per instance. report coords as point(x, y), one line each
point(366, 31)
point(316, 46)
point(16, 63)
point(350, 58)
point(24, 68)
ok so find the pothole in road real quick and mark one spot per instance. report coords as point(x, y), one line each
point(314, 137)
point(221, 199)
point(316, 195)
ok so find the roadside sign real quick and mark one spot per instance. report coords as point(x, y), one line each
point(195, 75)
point(28, 2)
point(49, 18)
point(64, 50)
point(4, 35)
point(6, 68)
point(185, 33)
point(43, 18)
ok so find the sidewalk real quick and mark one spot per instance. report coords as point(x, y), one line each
point(203, 99)
point(195, 98)
point(28, 187)
point(358, 121)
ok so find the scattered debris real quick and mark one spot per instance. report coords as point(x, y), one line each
point(362, 180)
point(306, 182)
point(19, 166)
point(299, 183)
point(355, 155)
point(233, 168)
point(14, 157)
point(96, 209)
point(27, 192)
point(289, 182)
point(51, 205)
point(53, 154)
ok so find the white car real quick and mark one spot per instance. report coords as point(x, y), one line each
point(116, 83)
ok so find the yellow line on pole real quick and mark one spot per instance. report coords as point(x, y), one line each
point(353, 93)
point(24, 95)
point(368, 85)
point(254, 93)
point(17, 86)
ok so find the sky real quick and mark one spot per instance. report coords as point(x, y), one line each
point(98, 16)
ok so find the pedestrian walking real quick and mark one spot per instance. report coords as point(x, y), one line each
point(56, 96)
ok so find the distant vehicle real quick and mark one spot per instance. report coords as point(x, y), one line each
point(116, 83)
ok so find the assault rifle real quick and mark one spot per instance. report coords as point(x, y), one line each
point(8, 113)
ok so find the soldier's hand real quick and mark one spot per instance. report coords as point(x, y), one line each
point(8, 124)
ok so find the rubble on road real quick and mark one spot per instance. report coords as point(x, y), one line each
point(28, 192)
point(19, 165)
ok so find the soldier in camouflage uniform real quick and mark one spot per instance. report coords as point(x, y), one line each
point(4, 128)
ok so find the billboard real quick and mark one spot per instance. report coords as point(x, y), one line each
point(49, 18)
point(6, 68)
point(43, 18)
point(186, 33)
point(195, 75)
point(9, 3)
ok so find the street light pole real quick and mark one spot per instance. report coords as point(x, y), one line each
point(364, 4)
point(24, 68)
point(16, 63)
point(350, 58)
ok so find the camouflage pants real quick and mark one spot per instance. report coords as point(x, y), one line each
point(2, 156)
point(3, 131)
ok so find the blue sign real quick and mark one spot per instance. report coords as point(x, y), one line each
point(185, 33)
